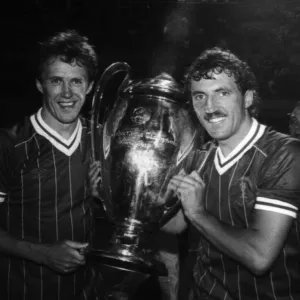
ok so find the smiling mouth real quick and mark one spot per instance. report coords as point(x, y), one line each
point(216, 120)
point(67, 105)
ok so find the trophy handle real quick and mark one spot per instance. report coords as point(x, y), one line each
point(173, 203)
point(97, 101)
point(171, 208)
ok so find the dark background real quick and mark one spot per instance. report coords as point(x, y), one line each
point(152, 36)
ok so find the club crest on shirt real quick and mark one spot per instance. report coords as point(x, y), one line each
point(243, 195)
point(38, 171)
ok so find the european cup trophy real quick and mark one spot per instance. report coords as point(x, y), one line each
point(135, 138)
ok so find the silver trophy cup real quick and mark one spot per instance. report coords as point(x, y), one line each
point(135, 136)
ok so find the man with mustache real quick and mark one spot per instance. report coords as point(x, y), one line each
point(46, 208)
point(244, 205)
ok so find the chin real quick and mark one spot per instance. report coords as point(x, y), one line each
point(219, 136)
point(68, 120)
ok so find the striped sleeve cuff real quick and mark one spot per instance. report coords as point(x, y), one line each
point(278, 206)
point(2, 197)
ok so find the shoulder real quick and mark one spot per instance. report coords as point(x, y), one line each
point(7, 146)
point(281, 159)
point(278, 173)
point(276, 144)
point(6, 139)
point(21, 132)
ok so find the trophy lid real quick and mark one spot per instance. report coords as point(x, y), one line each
point(163, 85)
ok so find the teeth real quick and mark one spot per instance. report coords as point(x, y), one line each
point(68, 104)
point(216, 120)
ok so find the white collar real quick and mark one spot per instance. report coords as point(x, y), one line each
point(222, 163)
point(67, 146)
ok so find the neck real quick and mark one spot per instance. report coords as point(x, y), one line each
point(64, 130)
point(227, 146)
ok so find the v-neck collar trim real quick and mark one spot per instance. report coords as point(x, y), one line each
point(222, 163)
point(67, 146)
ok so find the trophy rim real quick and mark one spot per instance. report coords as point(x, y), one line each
point(165, 88)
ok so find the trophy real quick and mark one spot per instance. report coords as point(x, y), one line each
point(135, 138)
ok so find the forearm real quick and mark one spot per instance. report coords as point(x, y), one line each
point(246, 246)
point(21, 248)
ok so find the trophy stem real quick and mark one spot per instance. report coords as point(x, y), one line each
point(125, 252)
point(128, 232)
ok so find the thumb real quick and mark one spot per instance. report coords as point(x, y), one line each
point(197, 177)
point(76, 245)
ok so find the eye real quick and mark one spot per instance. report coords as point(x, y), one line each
point(199, 97)
point(77, 81)
point(224, 93)
point(55, 81)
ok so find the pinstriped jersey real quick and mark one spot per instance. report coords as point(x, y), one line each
point(261, 173)
point(44, 199)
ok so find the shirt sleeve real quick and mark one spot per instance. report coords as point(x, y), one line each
point(6, 151)
point(279, 181)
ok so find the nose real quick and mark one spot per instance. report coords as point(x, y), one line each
point(66, 91)
point(209, 105)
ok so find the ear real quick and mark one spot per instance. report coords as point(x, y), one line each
point(90, 87)
point(249, 95)
point(39, 86)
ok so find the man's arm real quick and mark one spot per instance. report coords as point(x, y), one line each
point(62, 257)
point(20, 248)
point(256, 247)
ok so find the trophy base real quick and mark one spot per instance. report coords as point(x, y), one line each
point(131, 262)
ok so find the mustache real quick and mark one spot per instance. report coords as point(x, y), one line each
point(215, 114)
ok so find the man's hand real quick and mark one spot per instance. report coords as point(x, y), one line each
point(64, 257)
point(190, 190)
point(95, 178)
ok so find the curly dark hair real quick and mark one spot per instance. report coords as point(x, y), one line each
point(70, 47)
point(216, 61)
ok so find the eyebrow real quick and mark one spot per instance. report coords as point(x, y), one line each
point(53, 76)
point(222, 88)
point(197, 93)
point(219, 89)
point(62, 77)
